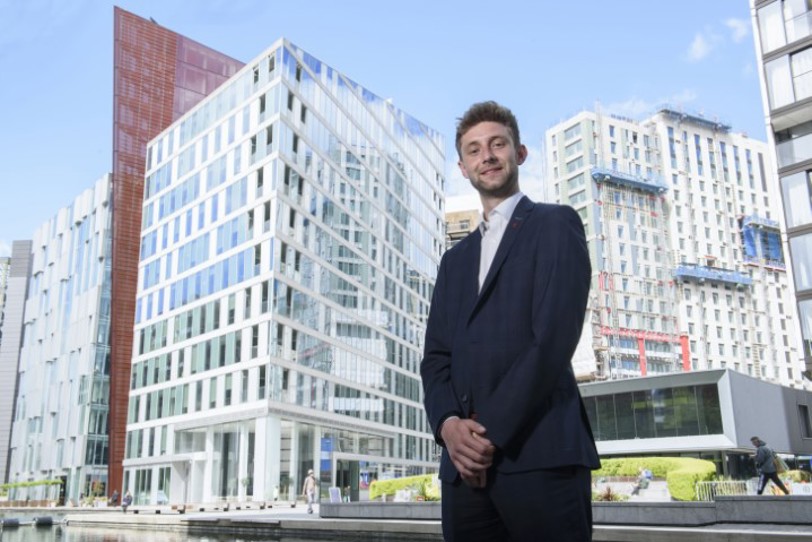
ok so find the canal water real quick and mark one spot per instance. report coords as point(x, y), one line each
point(61, 533)
point(27, 531)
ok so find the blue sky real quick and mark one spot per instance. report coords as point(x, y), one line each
point(544, 59)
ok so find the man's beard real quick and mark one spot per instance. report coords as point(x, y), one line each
point(508, 188)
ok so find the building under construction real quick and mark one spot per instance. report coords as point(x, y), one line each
point(685, 239)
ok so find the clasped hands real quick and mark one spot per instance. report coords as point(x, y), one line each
point(470, 451)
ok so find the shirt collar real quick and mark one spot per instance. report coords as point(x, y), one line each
point(504, 209)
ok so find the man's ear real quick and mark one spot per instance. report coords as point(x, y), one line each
point(521, 154)
point(462, 169)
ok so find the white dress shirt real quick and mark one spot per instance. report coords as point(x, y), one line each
point(492, 228)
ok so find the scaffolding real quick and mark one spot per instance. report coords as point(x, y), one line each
point(633, 207)
point(763, 252)
point(702, 273)
point(761, 238)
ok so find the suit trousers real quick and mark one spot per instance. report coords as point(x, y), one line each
point(549, 505)
point(764, 477)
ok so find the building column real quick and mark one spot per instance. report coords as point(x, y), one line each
point(267, 457)
point(209, 466)
point(293, 464)
point(242, 461)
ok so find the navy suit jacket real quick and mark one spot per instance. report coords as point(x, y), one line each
point(504, 353)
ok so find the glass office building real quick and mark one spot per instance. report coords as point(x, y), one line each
point(291, 232)
point(60, 424)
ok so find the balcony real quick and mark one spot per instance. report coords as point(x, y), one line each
point(794, 150)
point(756, 261)
point(702, 273)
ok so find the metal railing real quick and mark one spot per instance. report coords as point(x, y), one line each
point(708, 491)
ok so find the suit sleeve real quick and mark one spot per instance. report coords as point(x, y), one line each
point(560, 294)
point(435, 369)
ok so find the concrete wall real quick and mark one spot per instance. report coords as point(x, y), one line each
point(791, 510)
point(769, 411)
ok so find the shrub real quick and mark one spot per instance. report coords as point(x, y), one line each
point(681, 473)
point(423, 484)
point(798, 476)
point(609, 495)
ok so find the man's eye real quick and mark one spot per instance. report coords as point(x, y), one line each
point(499, 144)
point(473, 151)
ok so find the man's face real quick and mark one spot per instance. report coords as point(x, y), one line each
point(490, 159)
point(754, 442)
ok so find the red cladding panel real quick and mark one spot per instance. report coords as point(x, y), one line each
point(158, 76)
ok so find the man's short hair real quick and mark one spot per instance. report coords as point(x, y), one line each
point(489, 111)
point(754, 438)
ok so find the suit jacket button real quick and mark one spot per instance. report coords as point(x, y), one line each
point(464, 397)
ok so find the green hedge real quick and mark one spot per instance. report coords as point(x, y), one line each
point(34, 483)
point(422, 484)
point(681, 473)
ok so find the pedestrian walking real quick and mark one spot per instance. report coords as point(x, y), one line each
point(309, 490)
point(765, 466)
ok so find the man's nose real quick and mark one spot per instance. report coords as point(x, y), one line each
point(487, 155)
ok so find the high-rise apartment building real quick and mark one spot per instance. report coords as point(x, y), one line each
point(60, 421)
point(784, 50)
point(158, 76)
point(685, 239)
point(292, 229)
point(14, 291)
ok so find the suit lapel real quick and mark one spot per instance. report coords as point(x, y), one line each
point(470, 271)
point(512, 230)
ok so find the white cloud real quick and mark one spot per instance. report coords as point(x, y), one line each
point(456, 184)
point(709, 40)
point(5, 248)
point(531, 176)
point(700, 48)
point(637, 108)
point(633, 108)
point(739, 29)
point(463, 202)
point(681, 98)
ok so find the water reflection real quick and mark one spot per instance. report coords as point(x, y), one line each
point(59, 533)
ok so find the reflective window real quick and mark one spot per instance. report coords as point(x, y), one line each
point(783, 22)
point(805, 314)
point(801, 250)
point(656, 413)
point(794, 145)
point(771, 27)
point(802, 74)
point(797, 203)
point(797, 16)
point(779, 82)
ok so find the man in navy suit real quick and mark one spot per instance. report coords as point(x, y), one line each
point(506, 315)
